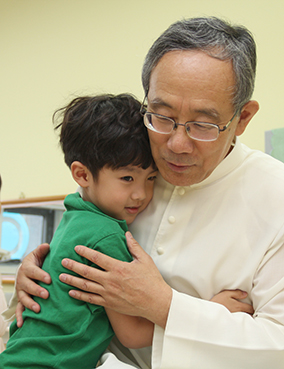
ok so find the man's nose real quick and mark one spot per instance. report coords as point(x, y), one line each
point(179, 141)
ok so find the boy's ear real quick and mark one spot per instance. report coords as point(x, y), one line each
point(80, 173)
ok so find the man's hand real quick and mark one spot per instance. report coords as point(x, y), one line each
point(29, 271)
point(231, 300)
point(135, 288)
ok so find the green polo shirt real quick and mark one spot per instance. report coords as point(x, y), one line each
point(68, 333)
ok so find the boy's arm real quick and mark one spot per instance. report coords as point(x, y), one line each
point(136, 332)
point(231, 300)
point(132, 331)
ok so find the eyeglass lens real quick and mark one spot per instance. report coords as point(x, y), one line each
point(196, 130)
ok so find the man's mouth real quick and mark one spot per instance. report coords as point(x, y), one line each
point(178, 167)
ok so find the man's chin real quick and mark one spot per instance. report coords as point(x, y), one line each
point(179, 179)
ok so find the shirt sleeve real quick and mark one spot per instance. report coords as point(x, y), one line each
point(203, 334)
point(114, 245)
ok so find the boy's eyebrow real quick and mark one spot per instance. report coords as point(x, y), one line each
point(129, 168)
point(154, 171)
point(133, 169)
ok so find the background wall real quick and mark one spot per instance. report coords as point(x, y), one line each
point(53, 50)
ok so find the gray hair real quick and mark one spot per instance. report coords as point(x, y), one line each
point(218, 39)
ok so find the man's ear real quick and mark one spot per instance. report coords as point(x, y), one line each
point(81, 174)
point(247, 112)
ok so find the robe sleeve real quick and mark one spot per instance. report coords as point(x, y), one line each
point(204, 334)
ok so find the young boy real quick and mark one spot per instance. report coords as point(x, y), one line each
point(106, 147)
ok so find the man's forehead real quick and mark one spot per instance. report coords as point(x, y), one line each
point(194, 76)
point(194, 61)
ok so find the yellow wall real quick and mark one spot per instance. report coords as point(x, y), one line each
point(52, 50)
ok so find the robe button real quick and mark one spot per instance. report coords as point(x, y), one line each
point(160, 250)
point(172, 219)
point(181, 191)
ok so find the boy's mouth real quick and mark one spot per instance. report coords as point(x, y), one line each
point(132, 209)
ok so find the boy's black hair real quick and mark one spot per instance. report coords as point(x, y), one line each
point(104, 130)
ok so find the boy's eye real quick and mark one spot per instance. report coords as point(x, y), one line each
point(127, 178)
point(152, 178)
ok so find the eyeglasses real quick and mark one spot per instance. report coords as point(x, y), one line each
point(199, 131)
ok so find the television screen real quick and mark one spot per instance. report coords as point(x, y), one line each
point(22, 231)
point(24, 228)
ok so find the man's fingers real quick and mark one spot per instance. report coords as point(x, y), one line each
point(232, 300)
point(90, 292)
point(242, 306)
point(82, 284)
point(104, 261)
point(34, 273)
point(25, 286)
point(238, 294)
point(25, 300)
point(19, 311)
point(135, 249)
point(31, 266)
point(83, 270)
point(40, 253)
point(239, 305)
point(90, 298)
point(247, 308)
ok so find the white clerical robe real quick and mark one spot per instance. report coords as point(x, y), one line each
point(226, 232)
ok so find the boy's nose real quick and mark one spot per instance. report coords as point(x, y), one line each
point(139, 194)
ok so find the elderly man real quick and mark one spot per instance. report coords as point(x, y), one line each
point(215, 223)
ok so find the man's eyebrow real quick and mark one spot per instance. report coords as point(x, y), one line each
point(210, 112)
point(159, 102)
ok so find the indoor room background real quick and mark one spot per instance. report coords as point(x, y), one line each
point(55, 50)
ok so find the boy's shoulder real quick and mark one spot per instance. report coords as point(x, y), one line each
point(83, 218)
point(76, 205)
